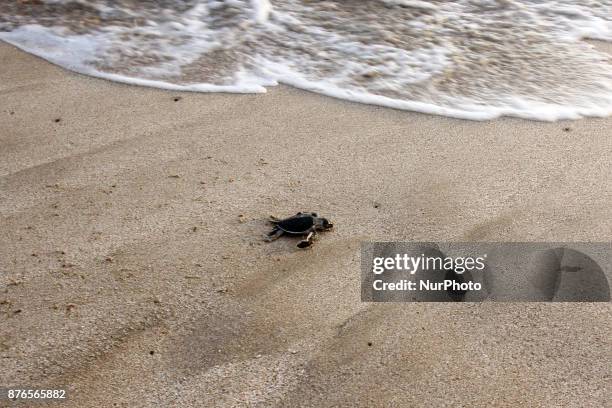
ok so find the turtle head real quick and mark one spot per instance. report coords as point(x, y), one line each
point(324, 224)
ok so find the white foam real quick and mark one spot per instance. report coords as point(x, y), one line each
point(73, 52)
point(411, 3)
point(262, 10)
point(462, 109)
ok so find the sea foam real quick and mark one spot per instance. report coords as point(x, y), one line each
point(472, 59)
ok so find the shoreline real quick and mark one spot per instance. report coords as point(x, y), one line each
point(135, 272)
point(546, 112)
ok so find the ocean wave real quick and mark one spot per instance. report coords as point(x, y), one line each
point(473, 59)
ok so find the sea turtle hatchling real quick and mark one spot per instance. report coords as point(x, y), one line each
point(302, 223)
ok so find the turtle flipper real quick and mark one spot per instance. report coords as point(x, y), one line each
point(308, 241)
point(274, 234)
point(304, 244)
point(274, 220)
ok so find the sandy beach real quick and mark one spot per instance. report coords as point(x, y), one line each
point(133, 271)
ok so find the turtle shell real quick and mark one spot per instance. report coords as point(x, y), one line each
point(297, 224)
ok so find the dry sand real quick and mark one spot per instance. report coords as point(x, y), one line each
point(132, 269)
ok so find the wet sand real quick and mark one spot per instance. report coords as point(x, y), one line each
point(133, 271)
